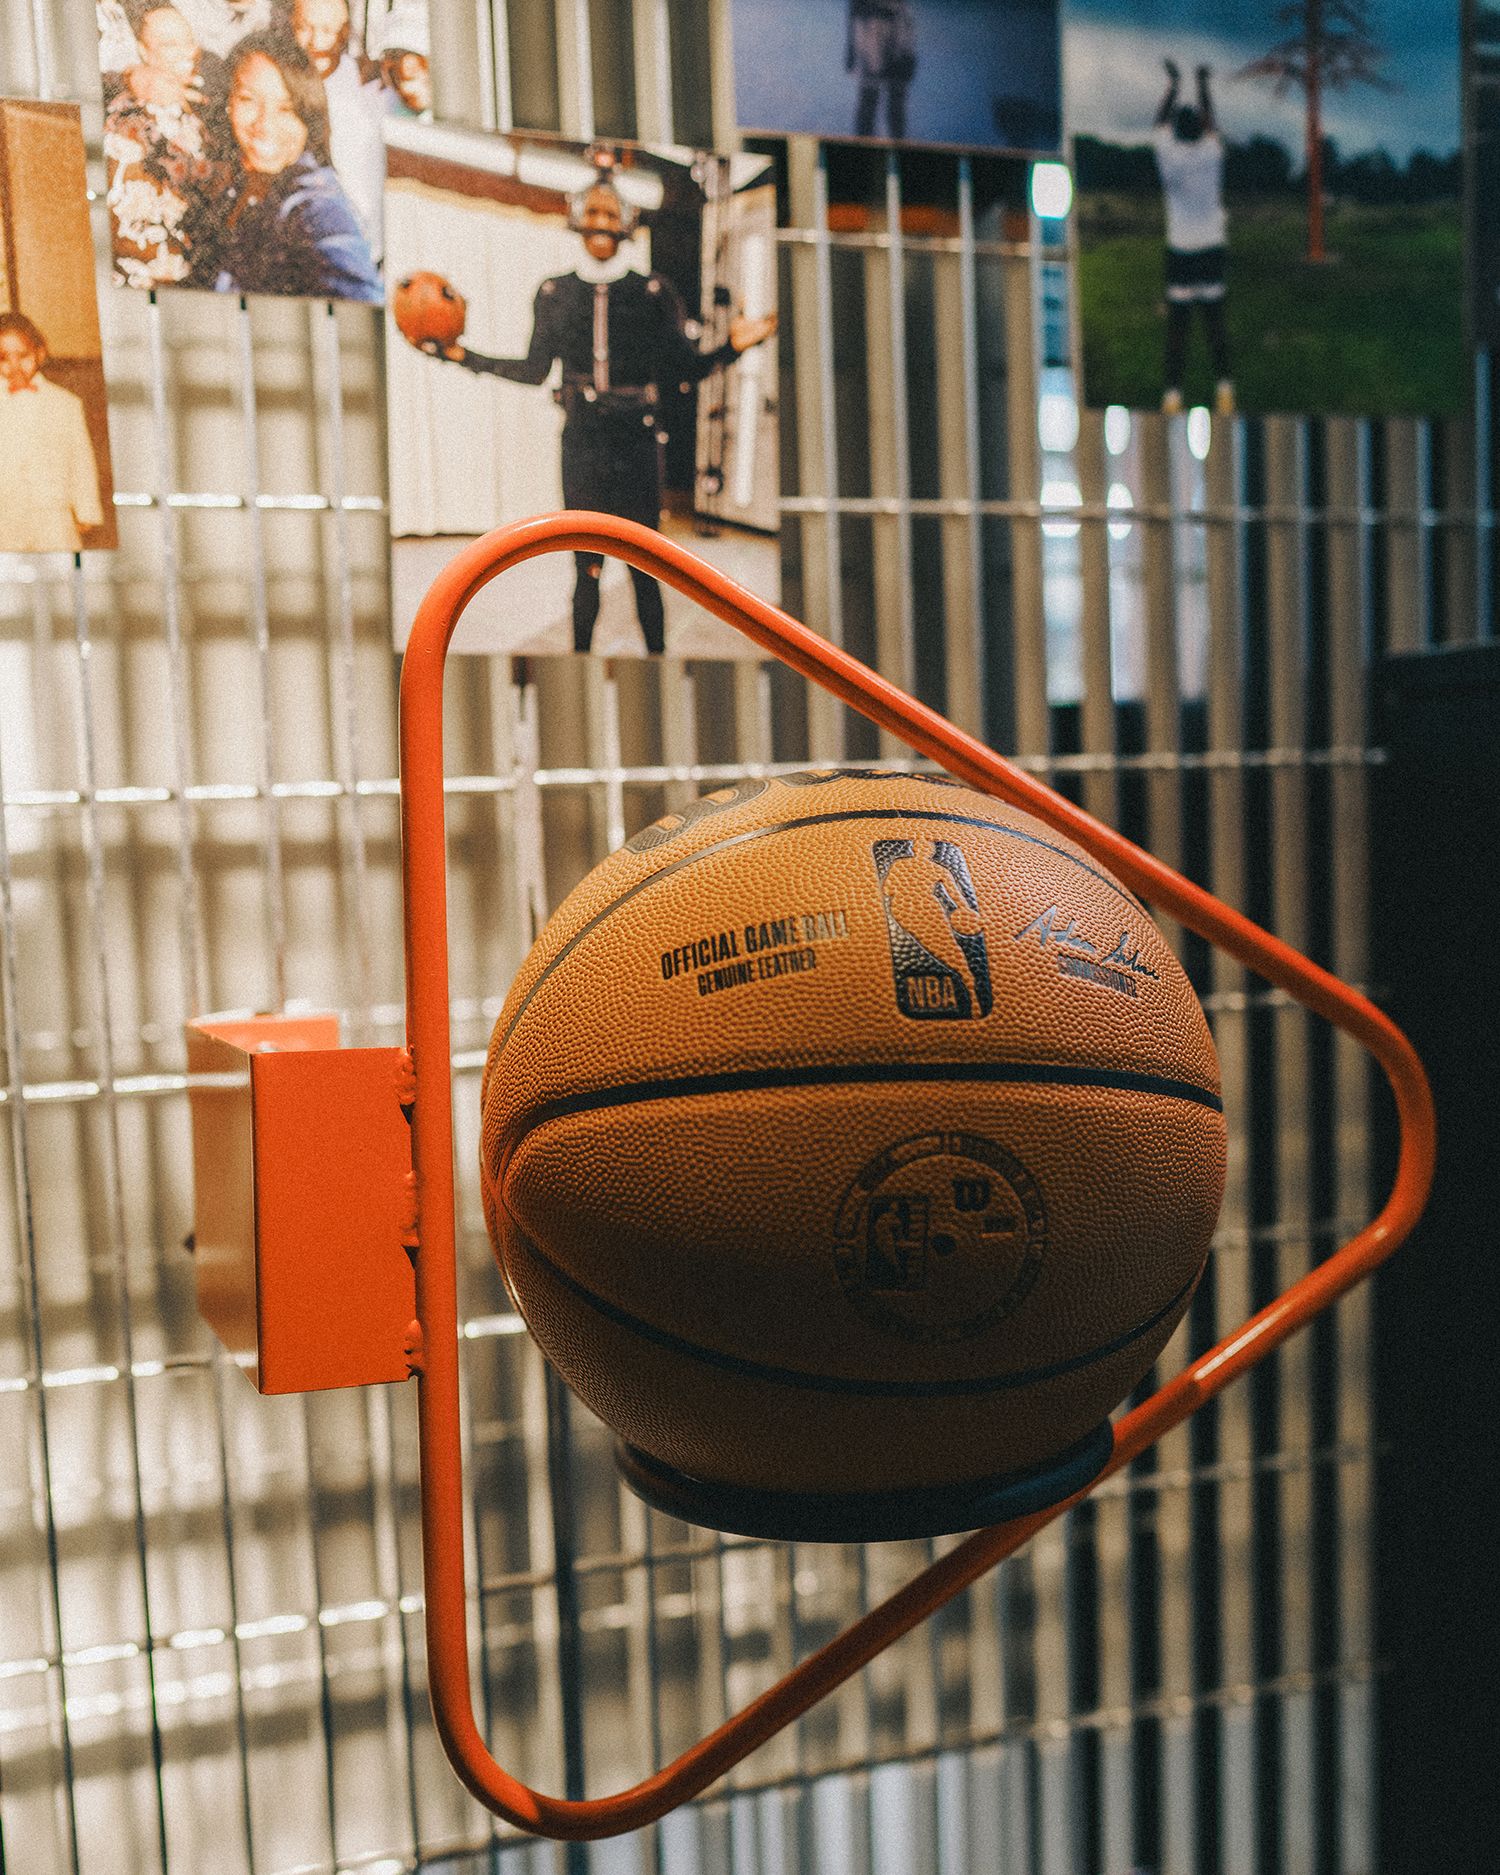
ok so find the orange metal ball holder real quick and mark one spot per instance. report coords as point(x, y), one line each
point(429, 1347)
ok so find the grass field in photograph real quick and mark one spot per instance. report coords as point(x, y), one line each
point(1377, 329)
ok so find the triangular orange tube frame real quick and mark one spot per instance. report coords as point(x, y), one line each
point(425, 881)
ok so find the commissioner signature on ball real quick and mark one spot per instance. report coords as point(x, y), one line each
point(1052, 927)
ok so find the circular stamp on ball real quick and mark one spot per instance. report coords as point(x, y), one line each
point(940, 1237)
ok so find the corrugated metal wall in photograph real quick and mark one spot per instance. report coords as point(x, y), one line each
point(210, 1603)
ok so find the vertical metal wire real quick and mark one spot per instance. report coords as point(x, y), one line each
point(1021, 276)
point(644, 1663)
point(188, 926)
point(1288, 677)
point(964, 648)
point(346, 741)
point(41, 43)
point(177, 677)
point(1109, 1793)
point(225, 1508)
point(890, 450)
point(260, 625)
point(32, 1309)
point(1350, 639)
point(817, 436)
point(493, 32)
point(652, 23)
point(1228, 1508)
point(330, 1793)
point(115, 1201)
point(349, 768)
point(1408, 454)
point(1166, 464)
point(560, 1489)
point(575, 68)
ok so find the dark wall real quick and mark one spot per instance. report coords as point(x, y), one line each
point(1437, 1392)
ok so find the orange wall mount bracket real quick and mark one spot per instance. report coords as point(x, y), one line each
point(325, 1220)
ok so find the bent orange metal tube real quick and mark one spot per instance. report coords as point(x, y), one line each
point(423, 861)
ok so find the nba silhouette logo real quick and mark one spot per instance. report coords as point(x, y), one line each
point(896, 1242)
point(939, 957)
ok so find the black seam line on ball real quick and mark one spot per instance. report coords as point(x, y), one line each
point(791, 826)
point(859, 1073)
point(837, 1383)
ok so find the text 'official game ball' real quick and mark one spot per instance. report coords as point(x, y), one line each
point(428, 310)
point(852, 1144)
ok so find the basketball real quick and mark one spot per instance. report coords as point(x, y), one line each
point(427, 310)
point(852, 1144)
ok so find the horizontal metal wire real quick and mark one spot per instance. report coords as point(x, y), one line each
point(608, 1617)
point(1059, 512)
point(203, 500)
point(464, 1061)
point(1001, 508)
point(661, 774)
point(490, 1327)
point(1097, 1720)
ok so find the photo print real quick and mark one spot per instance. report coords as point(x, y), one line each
point(971, 74)
point(1484, 196)
point(1269, 204)
point(580, 326)
point(56, 490)
point(244, 139)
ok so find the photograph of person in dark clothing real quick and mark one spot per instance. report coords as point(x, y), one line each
point(881, 51)
point(619, 336)
point(967, 74)
point(610, 314)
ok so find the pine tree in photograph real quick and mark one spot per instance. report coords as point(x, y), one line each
point(1330, 46)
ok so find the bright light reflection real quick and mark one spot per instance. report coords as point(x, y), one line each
point(1117, 429)
point(1199, 432)
point(1060, 495)
point(197, 1637)
point(1051, 190)
point(1057, 421)
point(1119, 497)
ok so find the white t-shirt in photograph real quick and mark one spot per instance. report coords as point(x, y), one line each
point(1192, 180)
point(49, 481)
point(356, 135)
point(219, 25)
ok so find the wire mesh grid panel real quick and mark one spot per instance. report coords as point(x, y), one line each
point(211, 1648)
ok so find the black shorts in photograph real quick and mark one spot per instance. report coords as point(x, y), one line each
point(1196, 273)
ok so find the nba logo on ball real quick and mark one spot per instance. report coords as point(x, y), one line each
point(938, 953)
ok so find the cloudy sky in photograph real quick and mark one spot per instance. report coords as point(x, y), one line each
point(1113, 77)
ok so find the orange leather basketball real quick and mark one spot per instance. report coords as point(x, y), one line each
point(427, 310)
point(851, 1135)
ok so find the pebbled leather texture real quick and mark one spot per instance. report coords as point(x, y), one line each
point(861, 1133)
